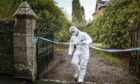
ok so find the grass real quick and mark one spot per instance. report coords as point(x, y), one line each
point(105, 56)
point(100, 45)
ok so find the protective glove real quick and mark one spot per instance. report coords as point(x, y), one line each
point(83, 42)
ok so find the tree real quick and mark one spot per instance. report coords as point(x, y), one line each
point(78, 15)
point(83, 15)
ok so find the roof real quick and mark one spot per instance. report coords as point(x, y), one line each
point(110, 2)
point(106, 4)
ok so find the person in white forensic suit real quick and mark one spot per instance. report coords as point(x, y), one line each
point(81, 55)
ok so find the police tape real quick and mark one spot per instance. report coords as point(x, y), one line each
point(91, 46)
point(54, 41)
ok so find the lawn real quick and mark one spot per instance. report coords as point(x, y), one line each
point(105, 56)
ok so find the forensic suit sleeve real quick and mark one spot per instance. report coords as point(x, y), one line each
point(71, 47)
point(88, 39)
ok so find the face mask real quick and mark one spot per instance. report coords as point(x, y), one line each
point(74, 33)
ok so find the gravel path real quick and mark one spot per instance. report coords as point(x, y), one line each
point(99, 71)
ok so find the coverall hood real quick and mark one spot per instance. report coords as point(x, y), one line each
point(73, 30)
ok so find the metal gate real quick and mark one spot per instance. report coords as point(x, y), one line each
point(44, 50)
point(134, 66)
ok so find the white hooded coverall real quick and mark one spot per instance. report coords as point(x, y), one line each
point(81, 55)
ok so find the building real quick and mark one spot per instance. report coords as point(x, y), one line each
point(100, 7)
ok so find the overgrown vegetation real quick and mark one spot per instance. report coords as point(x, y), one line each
point(113, 27)
point(50, 16)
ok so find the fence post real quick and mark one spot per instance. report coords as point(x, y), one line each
point(24, 51)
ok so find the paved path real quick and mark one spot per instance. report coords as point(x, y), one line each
point(99, 71)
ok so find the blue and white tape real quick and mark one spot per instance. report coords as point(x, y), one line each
point(91, 46)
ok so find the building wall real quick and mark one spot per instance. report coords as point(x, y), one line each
point(99, 9)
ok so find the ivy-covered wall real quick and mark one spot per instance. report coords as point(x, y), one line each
point(6, 46)
point(113, 27)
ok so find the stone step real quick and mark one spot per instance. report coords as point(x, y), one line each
point(51, 81)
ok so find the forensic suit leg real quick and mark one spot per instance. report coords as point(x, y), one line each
point(75, 64)
point(79, 64)
point(83, 66)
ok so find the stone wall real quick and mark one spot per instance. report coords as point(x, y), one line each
point(17, 52)
point(6, 46)
point(24, 50)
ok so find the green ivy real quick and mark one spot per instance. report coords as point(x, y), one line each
point(50, 16)
point(112, 28)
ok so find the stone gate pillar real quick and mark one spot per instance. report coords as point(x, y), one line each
point(24, 51)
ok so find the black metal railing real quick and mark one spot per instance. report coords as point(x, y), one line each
point(134, 66)
point(44, 50)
